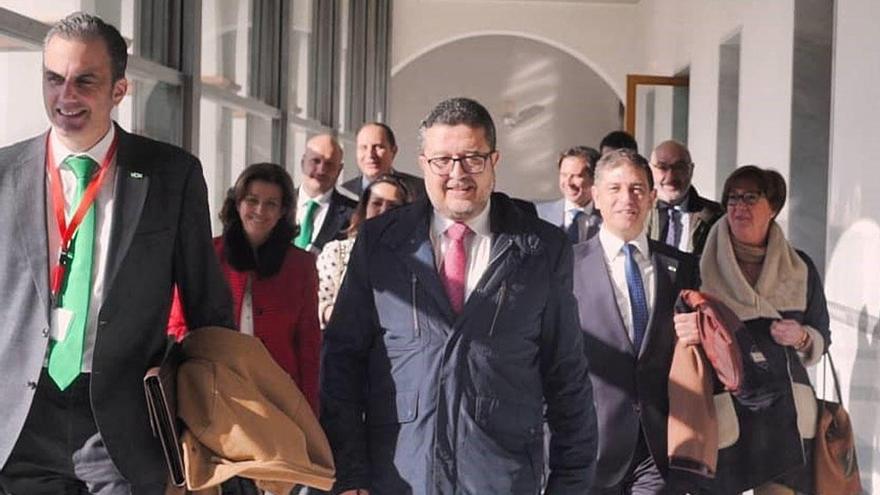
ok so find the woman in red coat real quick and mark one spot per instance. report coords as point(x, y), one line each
point(274, 285)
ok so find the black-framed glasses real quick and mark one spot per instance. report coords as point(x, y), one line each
point(474, 163)
point(678, 166)
point(747, 198)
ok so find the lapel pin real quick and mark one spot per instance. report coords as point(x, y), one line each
point(136, 175)
point(672, 268)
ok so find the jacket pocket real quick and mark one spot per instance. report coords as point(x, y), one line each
point(511, 424)
point(393, 408)
point(728, 423)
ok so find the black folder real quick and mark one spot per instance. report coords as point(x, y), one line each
point(160, 386)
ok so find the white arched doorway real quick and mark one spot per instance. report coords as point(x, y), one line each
point(543, 97)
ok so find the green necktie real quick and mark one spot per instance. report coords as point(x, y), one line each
point(65, 358)
point(304, 238)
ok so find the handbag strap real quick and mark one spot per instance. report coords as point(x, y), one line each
point(830, 362)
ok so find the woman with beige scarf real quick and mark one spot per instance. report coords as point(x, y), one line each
point(777, 292)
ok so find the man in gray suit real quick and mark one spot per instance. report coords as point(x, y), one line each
point(574, 212)
point(83, 320)
point(626, 287)
point(376, 149)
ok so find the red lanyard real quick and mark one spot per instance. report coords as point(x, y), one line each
point(67, 231)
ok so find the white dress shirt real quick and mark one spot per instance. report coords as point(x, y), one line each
point(323, 200)
point(103, 221)
point(684, 243)
point(615, 261)
point(478, 245)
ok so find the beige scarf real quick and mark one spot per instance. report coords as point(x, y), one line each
point(782, 285)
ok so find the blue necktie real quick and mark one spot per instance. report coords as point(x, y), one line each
point(637, 301)
point(573, 229)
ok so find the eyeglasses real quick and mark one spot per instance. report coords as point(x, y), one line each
point(679, 166)
point(748, 198)
point(470, 164)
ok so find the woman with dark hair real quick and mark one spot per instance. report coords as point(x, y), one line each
point(777, 292)
point(383, 194)
point(273, 284)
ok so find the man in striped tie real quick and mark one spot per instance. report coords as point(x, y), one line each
point(626, 287)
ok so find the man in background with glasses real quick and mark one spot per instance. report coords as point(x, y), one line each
point(455, 326)
point(682, 218)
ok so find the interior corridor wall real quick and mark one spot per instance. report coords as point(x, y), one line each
point(852, 277)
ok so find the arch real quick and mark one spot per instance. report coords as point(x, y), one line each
point(618, 91)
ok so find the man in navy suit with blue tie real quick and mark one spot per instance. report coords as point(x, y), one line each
point(626, 287)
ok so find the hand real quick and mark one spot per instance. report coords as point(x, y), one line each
point(356, 491)
point(687, 328)
point(788, 333)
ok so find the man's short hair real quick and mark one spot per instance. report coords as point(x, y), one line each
point(389, 134)
point(618, 140)
point(624, 156)
point(85, 27)
point(459, 111)
point(585, 153)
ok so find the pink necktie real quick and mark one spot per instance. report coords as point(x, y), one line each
point(455, 265)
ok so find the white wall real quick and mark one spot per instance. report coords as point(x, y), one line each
point(687, 34)
point(852, 279)
point(597, 34)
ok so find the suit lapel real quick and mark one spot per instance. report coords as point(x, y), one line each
point(331, 224)
point(132, 184)
point(595, 274)
point(665, 269)
point(30, 214)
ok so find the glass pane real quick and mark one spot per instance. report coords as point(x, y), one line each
point(118, 13)
point(301, 58)
point(226, 43)
point(229, 140)
point(153, 108)
point(21, 95)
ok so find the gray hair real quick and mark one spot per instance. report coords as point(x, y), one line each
point(459, 111)
point(86, 27)
point(624, 156)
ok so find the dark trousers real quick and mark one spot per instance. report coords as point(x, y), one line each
point(642, 478)
point(60, 451)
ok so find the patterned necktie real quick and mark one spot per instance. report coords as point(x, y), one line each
point(65, 358)
point(673, 227)
point(455, 265)
point(573, 229)
point(304, 238)
point(637, 300)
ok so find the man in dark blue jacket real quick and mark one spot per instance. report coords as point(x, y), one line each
point(455, 326)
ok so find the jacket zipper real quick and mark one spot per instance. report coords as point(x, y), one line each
point(502, 293)
point(415, 310)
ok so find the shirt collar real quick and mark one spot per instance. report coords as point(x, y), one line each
point(612, 245)
point(302, 197)
point(569, 206)
point(479, 224)
point(60, 152)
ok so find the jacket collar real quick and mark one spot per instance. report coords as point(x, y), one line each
point(409, 234)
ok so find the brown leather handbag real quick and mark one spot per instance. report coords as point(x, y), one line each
point(836, 470)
